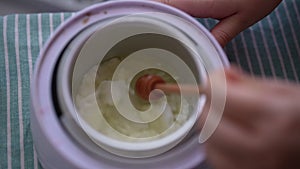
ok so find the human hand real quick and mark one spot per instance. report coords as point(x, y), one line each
point(234, 15)
point(260, 126)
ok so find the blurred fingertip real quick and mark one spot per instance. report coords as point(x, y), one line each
point(234, 73)
point(235, 68)
point(222, 38)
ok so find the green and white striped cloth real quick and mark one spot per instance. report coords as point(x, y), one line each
point(270, 48)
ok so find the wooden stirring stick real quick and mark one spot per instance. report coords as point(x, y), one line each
point(145, 84)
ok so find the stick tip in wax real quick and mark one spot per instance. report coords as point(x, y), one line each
point(145, 84)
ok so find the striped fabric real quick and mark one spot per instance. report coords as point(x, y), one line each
point(21, 39)
point(270, 48)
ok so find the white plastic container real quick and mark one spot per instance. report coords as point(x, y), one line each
point(58, 136)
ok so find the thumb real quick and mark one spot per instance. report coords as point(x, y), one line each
point(230, 24)
point(227, 29)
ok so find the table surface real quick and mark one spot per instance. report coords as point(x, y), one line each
point(269, 48)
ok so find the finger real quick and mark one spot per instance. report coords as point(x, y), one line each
point(227, 146)
point(232, 138)
point(217, 9)
point(228, 28)
point(244, 98)
point(243, 104)
point(218, 159)
point(282, 87)
point(233, 74)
